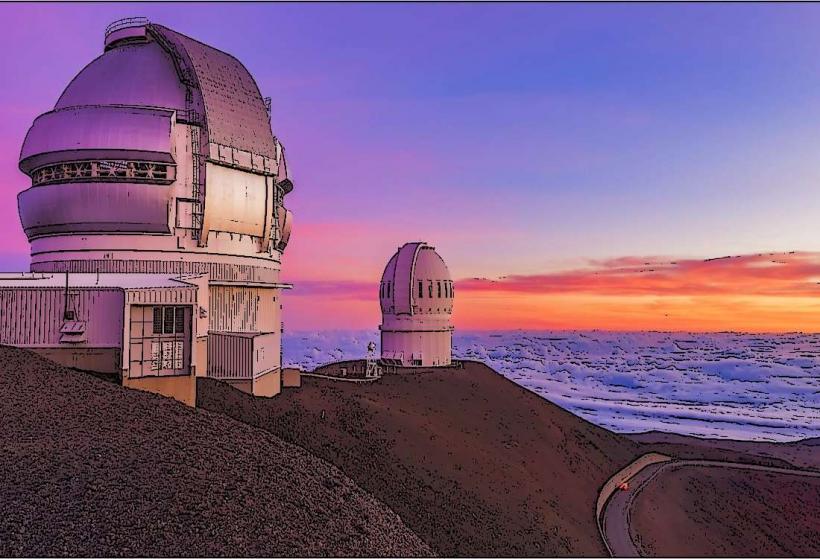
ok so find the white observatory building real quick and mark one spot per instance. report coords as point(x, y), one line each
point(416, 295)
point(157, 221)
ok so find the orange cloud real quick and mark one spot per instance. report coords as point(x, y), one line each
point(753, 293)
point(791, 274)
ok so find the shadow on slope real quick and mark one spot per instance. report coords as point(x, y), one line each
point(89, 468)
point(472, 462)
point(721, 512)
point(800, 454)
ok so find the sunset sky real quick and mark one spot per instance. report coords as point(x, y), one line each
point(577, 166)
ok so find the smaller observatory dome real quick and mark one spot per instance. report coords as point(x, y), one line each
point(416, 295)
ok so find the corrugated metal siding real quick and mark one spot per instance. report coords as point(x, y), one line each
point(238, 356)
point(230, 356)
point(243, 309)
point(219, 271)
point(165, 295)
point(33, 317)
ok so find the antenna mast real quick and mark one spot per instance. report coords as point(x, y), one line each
point(65, 299)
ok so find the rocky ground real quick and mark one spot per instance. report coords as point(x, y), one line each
point(89, 468)
point(453, 461)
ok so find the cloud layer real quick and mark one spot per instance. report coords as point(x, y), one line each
point(760, 293)
point(780, 275)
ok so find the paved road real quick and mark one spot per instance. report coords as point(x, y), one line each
point(616, 514)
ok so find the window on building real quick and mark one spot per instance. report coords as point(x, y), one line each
point(179, 320)
point(168, 320)
point(430, 288)
point(439, 289)
point(421, 290)
point(389, 283)
point(157, 320)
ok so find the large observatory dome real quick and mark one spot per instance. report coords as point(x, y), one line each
point(172, 140)
point(416, 296)
point(157, 173)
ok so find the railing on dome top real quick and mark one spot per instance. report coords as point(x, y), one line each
point(125, 23)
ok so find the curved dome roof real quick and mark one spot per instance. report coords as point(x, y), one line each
point(234, 108)
point(160, 68)
point(140, 74)
point(416, 280)
point(116, 121)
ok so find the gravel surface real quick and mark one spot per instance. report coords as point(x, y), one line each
point(89, 468)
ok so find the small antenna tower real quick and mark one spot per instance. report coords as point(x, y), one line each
point(373, 369)
point(65, 299)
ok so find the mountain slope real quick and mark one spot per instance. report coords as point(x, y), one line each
point(90, 468)
point(802, 454)
point(472, 462)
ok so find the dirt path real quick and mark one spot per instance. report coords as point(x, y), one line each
point(616, 514)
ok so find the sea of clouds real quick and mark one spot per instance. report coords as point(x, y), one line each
point(727, 385)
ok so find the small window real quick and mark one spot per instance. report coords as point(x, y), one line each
point(168, 323)
point(430, 288)
point(439, 289)
point(421, 290)
point(157, 320)
point(179, 320)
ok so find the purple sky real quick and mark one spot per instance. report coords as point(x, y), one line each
point(517, 139)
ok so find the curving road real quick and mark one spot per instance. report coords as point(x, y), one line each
point(616, 513)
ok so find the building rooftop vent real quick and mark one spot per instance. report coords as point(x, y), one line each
point(125, 23)
point(126, 28)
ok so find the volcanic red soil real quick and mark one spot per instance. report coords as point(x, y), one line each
point(89, 468)
point(454, 461)
point(721, 512)
point(473, 463)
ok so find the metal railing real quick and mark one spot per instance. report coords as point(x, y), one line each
point(106, 171)
point(125, 23)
